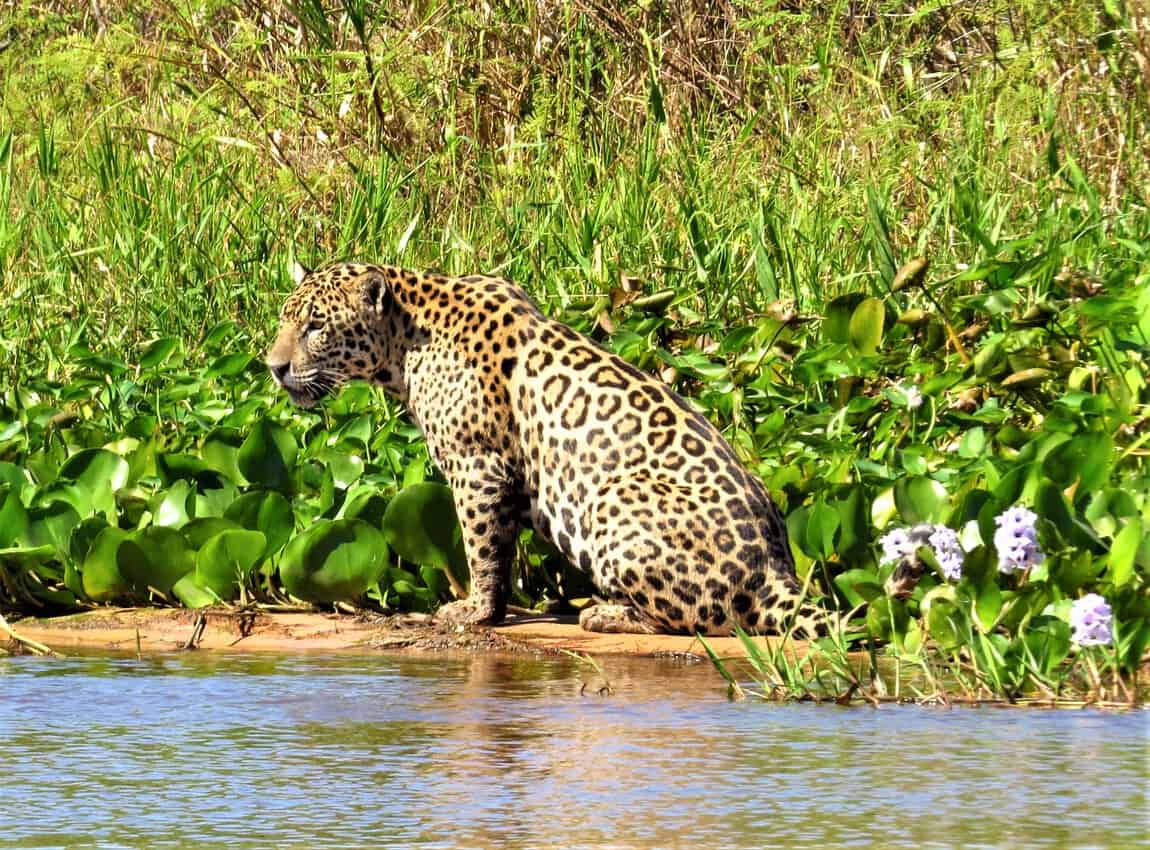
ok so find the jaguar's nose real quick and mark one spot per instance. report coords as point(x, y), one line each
point(280, 371)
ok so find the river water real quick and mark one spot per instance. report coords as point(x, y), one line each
point(198, 750)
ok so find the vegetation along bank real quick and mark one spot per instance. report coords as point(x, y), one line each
point(897, 252)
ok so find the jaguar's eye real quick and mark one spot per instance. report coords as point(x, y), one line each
point(313, 326)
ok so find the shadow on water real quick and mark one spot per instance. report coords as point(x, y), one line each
point(201, 750)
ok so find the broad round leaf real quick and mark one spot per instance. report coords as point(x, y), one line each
point(886, 617)
point(421, 526)
point(174, 466)
point(920, 499)
point(99, 473)
point(191, 594)
point(14, 476)
point(155, 557)
point(334, 560)
point(226, 559)
point(267, 456)
point(175, 506)
point(267, 512)
point(100, 575)
point(220, 451)
point(1048, 640)
point(228, 366)
point(945, 622)
point(859, 586)
point(823, 522)
point(52, 524)
point(200, 530)
point(366, 505)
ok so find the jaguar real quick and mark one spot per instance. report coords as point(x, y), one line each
point(534, 425)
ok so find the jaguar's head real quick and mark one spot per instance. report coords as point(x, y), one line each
point(330, 331)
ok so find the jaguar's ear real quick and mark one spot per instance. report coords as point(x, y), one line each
point(299, 272)
point(374, 291)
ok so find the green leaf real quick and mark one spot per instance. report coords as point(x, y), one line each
point(176, 466)
point(1123, 550)
point(1048, 639)
point(51, 524)
point(988, 605)
point(62, 491)
point(436, 581)
point(228, 366)
point(171, 508)
point(268, 456)
point(83, 536)
point(99, 473)
point(990, 359)
point(973, 443)
point(421, 526)
point(191, 594)
point(859, 586)
point(267, 512)
point(155, 557)
point(1085, 458)
point(946, 624)
point(100, 574)
point(920, 499)
point(27, 557)
point(822, 527)
point(886, 618)
point(14, 476)
point(224, 561)
point(366, 505)
point(853, 508)
point(334, 560)
point(1051, 505)
point(200, 530)
point(157, 352)
point(837, 317)
point(220, 451)
point(13, 516)
point(345, 466)
point(866, 326)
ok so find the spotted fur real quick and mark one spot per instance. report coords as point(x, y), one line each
point(533, 424)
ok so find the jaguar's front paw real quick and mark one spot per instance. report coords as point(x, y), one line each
point(467, 612)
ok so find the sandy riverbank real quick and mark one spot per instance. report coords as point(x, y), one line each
point(165, 629)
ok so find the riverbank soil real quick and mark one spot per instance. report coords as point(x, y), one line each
point(166, 629)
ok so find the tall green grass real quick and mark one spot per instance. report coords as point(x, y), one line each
point(180, 154)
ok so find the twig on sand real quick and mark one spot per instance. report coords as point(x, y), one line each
point(33, 646)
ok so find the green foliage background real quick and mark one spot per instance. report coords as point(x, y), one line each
point(792, 212)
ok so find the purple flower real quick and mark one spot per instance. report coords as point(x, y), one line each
point(913, 397)
point(1016, 540)
point(896, 545)
point(902, 543)
point(1090, 619)
point(947, 551)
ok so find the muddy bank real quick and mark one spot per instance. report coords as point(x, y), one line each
point(160, 630)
